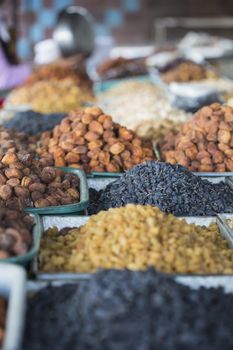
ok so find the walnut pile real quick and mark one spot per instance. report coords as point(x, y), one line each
point(24, 182)
point(15, 233)
point(205, 143)
point(90, 140)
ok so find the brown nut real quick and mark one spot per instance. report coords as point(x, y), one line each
point(13, 182)
point(5, 192)
point(91, 136)
point(48, 174)
point(80, 149)
point(3, 179)
point(9, 158)
point(21, 192)
point(26, 181)
point(59, 161)
point(38, 187)
point(13, 173)
point(36, 195)
point(73, 193)
point(117, 148)
point(87, 118)
point(41, 203)
point(96, 127)
point(72, 157)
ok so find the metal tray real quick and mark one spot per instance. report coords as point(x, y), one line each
point(79, 221)
point(68, 208)
point(13, 289)
point(34, 250)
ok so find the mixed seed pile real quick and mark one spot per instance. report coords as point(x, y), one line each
point(136, 237)
point(172, 188)
point(129, 310)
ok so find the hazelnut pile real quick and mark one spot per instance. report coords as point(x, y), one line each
point(205, 142)
point(2, 319)
point(24, 182)
point(90, 140)
point(15, 233)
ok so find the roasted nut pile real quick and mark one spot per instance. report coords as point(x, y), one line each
point(172, 188)
point(107, 312)
point(13, 141)
point(134, 102)
point(136, 237)
point(33, 123)
point(92, 141)
point(2, 319)
point(50, 96)
point(205, 142)
point(183, 70)
point(24, 183)
point(15, 233)
point(121, 67)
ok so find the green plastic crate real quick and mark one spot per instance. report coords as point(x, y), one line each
point(68, 208)
point(25, 259)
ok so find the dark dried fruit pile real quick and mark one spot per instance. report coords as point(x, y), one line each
point(15, 233)
point(129, 310)
point(26, 182)
point(33, 123)
point(172, 188)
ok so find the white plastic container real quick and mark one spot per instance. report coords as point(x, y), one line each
point(13, 289)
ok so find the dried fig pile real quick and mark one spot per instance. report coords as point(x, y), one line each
point(205, 143)
point(24, 182)
point(15, 233)
point(90, 140)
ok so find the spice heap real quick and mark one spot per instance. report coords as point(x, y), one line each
point(90, 140)
point(33, 123)
point(107, 312)
point(121, 67)
point(172, 188)
point(137, 237)
point(2, 319)
point(15, 233)
point(183, 70)
point(25, 183)
point(50, 96)
point(134, 102)
point(205, 142)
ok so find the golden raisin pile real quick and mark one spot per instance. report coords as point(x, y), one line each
point(90, 140)
point(136, 237)
point(205, 142)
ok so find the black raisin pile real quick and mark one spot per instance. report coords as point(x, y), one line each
point(126, 310)
point(33, 123)
point(172, 188)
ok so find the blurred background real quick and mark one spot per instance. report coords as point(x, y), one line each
point(137, 22)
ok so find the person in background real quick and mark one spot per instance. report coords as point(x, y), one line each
point(11, 75)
